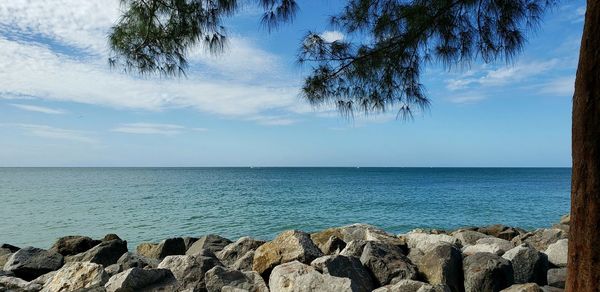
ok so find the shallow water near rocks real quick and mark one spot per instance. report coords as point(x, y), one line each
point(39, 205)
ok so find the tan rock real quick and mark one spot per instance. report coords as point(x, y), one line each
point(76, 275)
point(288, 246)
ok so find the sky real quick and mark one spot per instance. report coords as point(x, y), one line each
point(62, 105)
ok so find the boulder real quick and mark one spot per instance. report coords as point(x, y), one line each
point(412, 286)
point(557, 277)
point(4, 258)
point(188, 241)
point(489, 244)
point(167, 247)
point(558, 253)
point(211, 242)
point(565, 219)
point(132, 260)
point(110, 236)
point(333, 245)
point(487, 272)
point(6, 248)
point(17, 284)
point(354, 232)
point(529, 265)
point(234, 251)
point(443, 265)
point(76, 275)
point(503, 244)
point(468, 237)
point(220, 277)
point(426, 241)
point(29, 263)
point(345, 267)
point(354, 248)
point(540, 239)
point(190, 270)
point(106, 253)
point(529, 287)
point(71, 245)
point(501, 231)
point(288, 246)
point(551, 289)
point(136, 279)
point(296, 276)
point(245, 262)
point(387, 263)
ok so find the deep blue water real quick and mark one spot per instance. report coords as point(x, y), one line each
point(37, 205)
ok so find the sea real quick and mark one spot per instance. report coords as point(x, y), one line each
point(38, 205)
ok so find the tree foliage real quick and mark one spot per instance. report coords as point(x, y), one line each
point(376, 67)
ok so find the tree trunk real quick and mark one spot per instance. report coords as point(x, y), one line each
point(584, 238)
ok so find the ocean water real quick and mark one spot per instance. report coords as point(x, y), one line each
point(38, 205)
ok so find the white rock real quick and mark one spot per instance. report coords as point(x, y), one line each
point(75, 276)
point(426, 242)
point(296, 277)
point(558, 252)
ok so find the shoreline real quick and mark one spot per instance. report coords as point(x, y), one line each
point(357, 257)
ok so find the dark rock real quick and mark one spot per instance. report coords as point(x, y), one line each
point(188, 241)
point(345, 267)
point(71, 245)
point(8, 248)
point(106, 253)
point(29, 263)
point(234, 251)
point(468, 237)
point(487, 272)
point(110, 237)
point(167, 247)
point(540, 239)
point(211, 242)
point(132, 260)
point(333, 245)
point(443, 265)
point(529, 265)
point(356, 232)
point(354, 248)
point(245, 262)
point(387, 263)
point(190, 270)
point(136, 279)
point(220, 277)
point(557, 277)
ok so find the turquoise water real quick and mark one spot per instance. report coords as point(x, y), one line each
point(148, 204)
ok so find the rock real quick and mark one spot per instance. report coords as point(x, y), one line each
point(211, 242)
point(563, 227)
point(354, 248)
point(425, 241)
point(110, 236)
point(29, 263)
point(333, 245)
point(345, 267)
point(4, 258)
point(557, 277)
point(501, 231)
point(113, 269)
point(352, 232)
point(234, 251)
point(71, 245)
point(503, 244)
point(41, 280)
point(443, 265)
point(136, 279)
point(76, 275)
point(558, 253)
point(412, 286)
point(188, 241)
point(468, 237)
point(489, 244)
point(540, 239)
point(565, 219)
point(132, 260)
point(219, 277)
point(487, 272)
point(288, 246)
point(167, 247)
point(245, 262)
point(296, 276)
point(529, 265)
point(106, 253)
point(190, 270)
point(529, 287)
point(387, 263)
point(6, 248)
point(14, 284)
point(551, 289)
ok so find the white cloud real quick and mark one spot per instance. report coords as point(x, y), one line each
point(39, 109)
point(467, 98)
point(563, 86)
point(45, 131)
point(149, 128)
point(332, 36)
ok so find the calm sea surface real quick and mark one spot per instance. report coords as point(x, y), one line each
point(37, 205)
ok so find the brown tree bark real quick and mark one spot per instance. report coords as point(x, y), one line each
point(584, 239)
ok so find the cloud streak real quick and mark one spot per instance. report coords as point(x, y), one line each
point(39, 109)
point(50, 132)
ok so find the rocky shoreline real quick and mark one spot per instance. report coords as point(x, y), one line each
point(356, 257)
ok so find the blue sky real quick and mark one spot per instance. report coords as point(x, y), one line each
point(61, 105)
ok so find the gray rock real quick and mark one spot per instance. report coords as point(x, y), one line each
point(426, 241)
point(6, 248)
point(188, 241)
point(502, 244)
point(288, 246)
point(443, 265)
point(387, 263)
point(76, 276)
point(468, 237)
point(4, 258)
point(132, 260)
point(540, 239)
point(558, 253)
point(167, 247)
point(352, 232)
point(354, 248)
point(136, 279)
point(29, 263)
point(552, 289)
point(71, 245)
point(501, 231)
point(17, 284)
point(529, 265)
point(190, 270)
point(113, 269)
point(528, 287)
point(333, 245)
point(219, 277)
point(487, 272)
point(297, 277)
point(211, 242)
point(234, 251)
point(245, 262)
point(345, 267)
point(557, 277)
point(106, 253)
point(412, 286)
